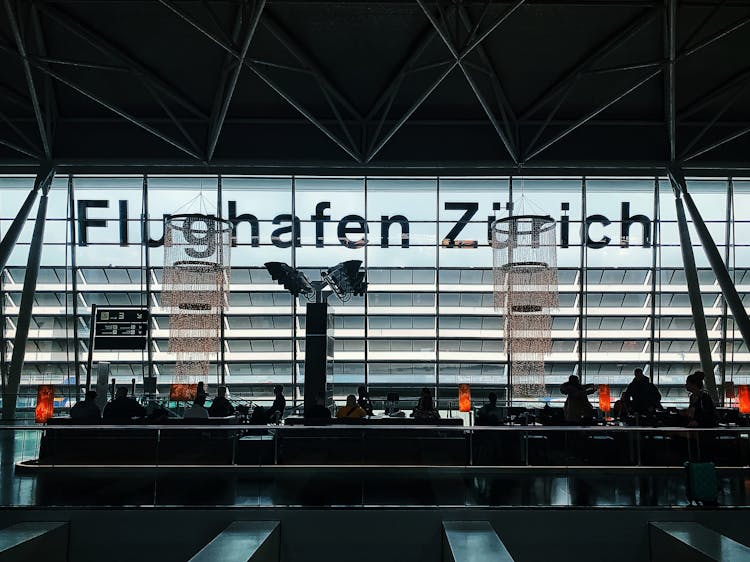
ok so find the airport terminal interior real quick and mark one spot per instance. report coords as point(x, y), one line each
point(445, 280)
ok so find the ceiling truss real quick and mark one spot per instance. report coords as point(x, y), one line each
point(462, 34)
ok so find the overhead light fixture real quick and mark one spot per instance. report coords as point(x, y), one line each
point(344, 279)
point(292, 279)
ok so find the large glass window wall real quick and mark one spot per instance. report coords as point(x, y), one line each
point(428, 317)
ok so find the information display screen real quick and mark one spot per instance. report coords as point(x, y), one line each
point(120, 328)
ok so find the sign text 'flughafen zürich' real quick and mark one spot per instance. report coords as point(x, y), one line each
point(352, 229)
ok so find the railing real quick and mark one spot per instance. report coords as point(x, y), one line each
point(364, 465)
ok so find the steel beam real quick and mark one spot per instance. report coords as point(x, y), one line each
point(29, 79)
point(102, 45)
point(315, 68)
point(739, 80)
point(670, 51)
point(591, 115)
point(227, 90)
point(504, 137)
point(694, 292)
point(11, 95)
point(724, 107)
point(717, 144)
point(718, 266)
point(351, 151)
point(715, 37)
point(72, 223)
point(44, 179)
point(50, 99)
point(409, 112)
point(592, 58)
point(113, 108)
point(20, 149)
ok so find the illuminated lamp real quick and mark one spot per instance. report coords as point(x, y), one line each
point(464, 398)
point(743, 398)
point(604, 401)
point(45, 403)
point(182, 392)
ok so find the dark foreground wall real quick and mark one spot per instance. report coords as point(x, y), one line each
point(406, 535)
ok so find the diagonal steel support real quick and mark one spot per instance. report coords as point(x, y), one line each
point(470, 46)
point(686, 154)
point(11, 95)
point(11, 236)
point(10, 395)
point(503, 134)
point(113, 108)
point(509, 116)
point(715, 37)
point(409, 112)
point(113, 52)
point(13, 21)
point(20, 149)
point(591, 59)
point(694, 292)
point(591, 115)
point(717, 144)
point(738, 81)
point(350, 150)
point(50, 98)
point(226, 91)
point(298, 52)
point(732, 298)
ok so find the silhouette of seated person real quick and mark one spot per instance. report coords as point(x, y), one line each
point(577, 407)
point(122, 409)
point(351, 410)
point(87, 410)
point(319, 412)
point(198, 409)
point(490, 413)
point(221, 407)
point(702, 412)
point(276, 411)
point(641, 396)
point(425, 410)
point(364, 401)
point(201, 390)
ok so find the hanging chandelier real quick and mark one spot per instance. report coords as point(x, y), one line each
point(524, 249)
point(195, 289)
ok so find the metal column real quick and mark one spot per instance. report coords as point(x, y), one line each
point(44, 180)
point(74, 284)
point(694, 292)
point(9, 240)
point(714, 259)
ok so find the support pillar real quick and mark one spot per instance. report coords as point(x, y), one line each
point(9, 240)
point(43, 180)
point(718, 266)
point(694, 292)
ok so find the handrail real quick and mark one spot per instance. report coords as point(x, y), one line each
point(352, 427)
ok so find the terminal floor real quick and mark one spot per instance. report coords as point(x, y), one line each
point(351, 486)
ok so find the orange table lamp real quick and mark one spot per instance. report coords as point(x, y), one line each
point(464, 398)
point(604, 399)
point(45, 403)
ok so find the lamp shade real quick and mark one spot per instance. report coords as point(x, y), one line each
point(45, 403)
point(604, 401)
point(743, 398)
point(464, 398)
